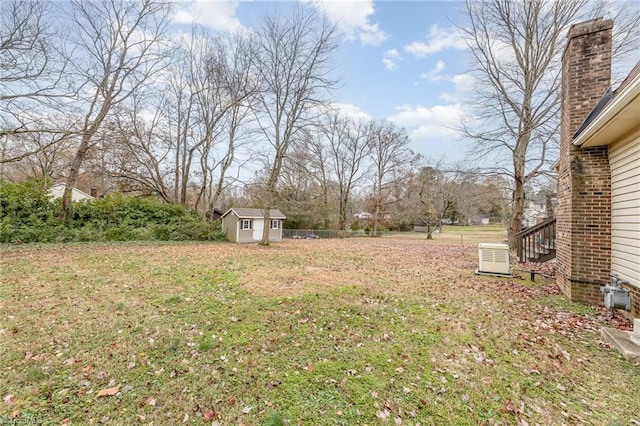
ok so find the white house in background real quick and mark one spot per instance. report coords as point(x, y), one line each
point(535, 211)
point(363, 215)
point(243, 225)
point(56, 191)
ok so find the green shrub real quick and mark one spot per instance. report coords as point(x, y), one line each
point(28, 215)
point(162, 232)
point(118, 233)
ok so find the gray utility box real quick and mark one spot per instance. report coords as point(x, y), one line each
point(615, 295)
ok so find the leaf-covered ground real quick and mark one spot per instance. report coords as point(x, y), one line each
point(314, 332)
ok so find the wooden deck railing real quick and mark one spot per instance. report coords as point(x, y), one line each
point(537, 243)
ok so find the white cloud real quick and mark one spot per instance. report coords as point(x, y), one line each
point(464, 85)
point(351, 111)
point(429, 122)
point(464, 82)
point(217, 14)
point(435, 74)
point(371, 35)
point(391, 58)
point(352, 17)
point(438, 39)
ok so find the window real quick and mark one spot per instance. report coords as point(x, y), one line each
point(245, 224)
point(275, 224)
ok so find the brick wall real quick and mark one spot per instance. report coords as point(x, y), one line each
point(584, 180)
point(635, 300)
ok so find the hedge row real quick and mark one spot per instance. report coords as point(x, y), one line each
point(29, 215)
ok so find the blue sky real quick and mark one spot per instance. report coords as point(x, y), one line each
point(398, 60)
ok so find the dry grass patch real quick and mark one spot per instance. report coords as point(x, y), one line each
point(357, 331)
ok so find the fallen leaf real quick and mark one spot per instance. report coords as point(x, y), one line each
point(383, 414)
point(247, 410)
point(109, 391)
point(210, 415)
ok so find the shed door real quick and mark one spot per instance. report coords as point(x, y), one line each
point(258, 226)
point(624, 158)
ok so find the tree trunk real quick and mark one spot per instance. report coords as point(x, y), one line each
point(266, 227)
point(271, 196)
point(65, 208)
point(374, 231)
point(517, 208)
point(343, 213)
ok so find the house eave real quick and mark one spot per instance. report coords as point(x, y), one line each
point(618, 119)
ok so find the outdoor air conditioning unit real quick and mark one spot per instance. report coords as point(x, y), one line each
point(494, 258)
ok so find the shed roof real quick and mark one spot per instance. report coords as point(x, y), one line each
point(245, 213)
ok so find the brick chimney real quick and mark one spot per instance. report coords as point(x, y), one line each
point(584, 179)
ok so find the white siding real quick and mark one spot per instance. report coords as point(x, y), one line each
point(57, 191)
point(624, 157)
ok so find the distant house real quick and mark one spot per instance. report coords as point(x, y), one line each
point(56, 191)
point(243, 225)
point(538, 209)
point(214, 214)
point(535, 211)
point(363, 216)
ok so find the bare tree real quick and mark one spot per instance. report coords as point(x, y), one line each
point(293, 63)
point(139, 154)
point(32, 66)
point(306, 179)
point(119, 49)
point(225, 105)
point(301, 192)
point(49, 156)
point(516, 46)
point(391, 161)
point(348, 145)
point(191, 117)
point(439, 192)
point(206, 101)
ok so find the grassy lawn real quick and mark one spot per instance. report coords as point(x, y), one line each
point(461, 234)
point(316, 332)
